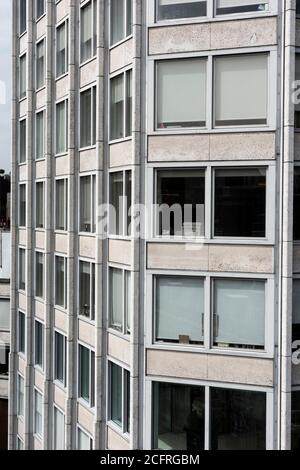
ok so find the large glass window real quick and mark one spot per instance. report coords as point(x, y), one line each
point(38, 344)
point(22, 269)
point(39, 205)
point(22, 77)
point(61, 204)
point(238, 420)
point(120, 20)
point(40, 8)
point(58, 430)
point(120, 201)
point(88, 204)
point(178, 9)
point(120, 397)
point(240, 203)
point(22, 141)
point(22, 205)
point(21, 333)
point(295, 420)
point(38, 413)
point(239, 313)
point(178, 417)
point(61, 127)
point(181, 203)
point(22, 16)
point(181, 93)
point(241, 90)
point(227, 7)
point(62, 49)
point(88, 117)
point(86, 375)
point(84, 441)
point(39, 135)
point(60, 358)
point(120, 300)
point(179, 307)
point(61, 281)
point(40, 64)
point(121, 106)
point(88, 31)
point(20, 390)
point(87, 290)
point(39, 275)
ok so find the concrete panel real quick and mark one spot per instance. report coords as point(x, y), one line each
point(41, 98)
point(40, 239)
point(4, 387)
point(183, 38)
point(37, 444)
point(21, 365)
point(120, 252)
point(119, 348)
point(88, 73)
point(177, 256)
point(251, 146)
point(61, 243)
point(23, 173)
point(86, 333)
point(178, 148)
point(22, 237)
point(85, 418)
point(61, 320)
point(87, 246)
point(23, 43)
point(87, 160)
point(39, 380)
point(210, 367)
point(23, 108)
point(62, 87)
point(40, 169)
point(62, 165)
point(62, 9)
point(41, 27)
point(239, 258)
point(59, 397)
point(22, 301)
point(4, 290)
point(115, 441)
point(120, 154)
point(39, 310)
point(121, 56)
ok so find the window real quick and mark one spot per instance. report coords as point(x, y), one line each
point(40, 64)
point(87, 290)
point(61, 127)
point(22, 141)
point(120, 20)
point(58, 430)
point(296, 310)
point(88, 31)
point(61, 281)
point(241, 90)
point(239, 314)
point(121, 106)
point(39, 275)
point(88, 204)
point(22, 267)
point(22, 16)
point(39, 344)
point(178, 417)
point(84, 441)
point(60, 358)
point(40, 8)
point(20, 389)
point(39, 205)
point(88, 117)
point(61, 204)
point(22, 77)
point(21, 333)
point(86, 375)
point(179, 308)
point(4, 314)
point(22, 207)
point(297, 7)
point(120, 300)
point(4, 360)
point(227, 7)
point(38, 413)
point(120, 397)
point(181, 203)
point(296, 203)
point(120, 202)
point(178, 9)
point(39, 135)
point(62, 59)
point(20, 444)
point(238, 420)
point(240, 203)
point(295, 445)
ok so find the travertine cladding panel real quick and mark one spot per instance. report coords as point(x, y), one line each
point(119, 348)
point(85, 418)
point(23, 108)
point(3, 387)
point(62, 10)
point(21, 365)
point(41, 98)
point(37, 444)
point(120, 252)
point(297, 145)
point(22, 302)
point(120, 154)
point(62, 87)
point(296, 375)
point(296, 267)
point(61, 243)
point(61, 320)
point(88, 73)
point(23, 173)
point(87, 160)
point(22, 237)
point(214, 258)
point(40, 309)
point(214, 147)
point(20, 427)
point(41, 27)
point(86, 333)
point(62, 165)
point(115, 441)
point(23, 43)
point(210, 367)
point(4, 290)
point(40, 241)
point(213, 36)
point(297, 33)
point(87, 247)
point(59, 397)
point(39, 380)
point(121, 56)
point(40, 169)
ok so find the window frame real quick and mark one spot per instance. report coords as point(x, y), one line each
point(64, 383)
point(64, 101)
point(19, 337)
point(91, 403)
point(93, 130)
point(36, 433)
point(22, 94)
point(36, 254)
point(59, 410)
point(94, 21)
point(24, 31)
point(37, 201)
point(125, 73)
point(126, 233)
point(87, 434)
point(40, 112)
point(65, 287)
point(22, 218)
point(42, 325)
point(66, 196)
point(38, 17)
point(92, 266)
point(125, 428)
point(124, 331)
point(93, 203)
point(23, 251)
point(127, 36)
point(20, 412)
point(41, 41)
point(65, 23)
point(23, 120)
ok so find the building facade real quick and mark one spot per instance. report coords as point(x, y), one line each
point(180, 337)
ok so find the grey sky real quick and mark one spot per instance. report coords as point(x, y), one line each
point(5, 78)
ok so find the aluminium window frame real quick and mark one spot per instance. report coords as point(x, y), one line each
point(43, 228)
point(22, 120)
point(123, 236)
point(66, 212)
point(91, 404)
point(127, 36)
point(23, 250)
point(41, 40)
point(93, 203)
point(64, 100)
point(88, 435)
point(36, 365)
point(41, 111)
point(94, 23)
point(65, 22)
point(63, 413)
point(19, 414)
point(39, 252)
point(20, 215)
point(35, 433)
point(126, 414)
point(66, 264)
point(94, 113)
point(124, 333)
point(125, 72)
point(93, 271)
point(22, 96)
point(38, 18)
point(21, 353)
point(65, 358)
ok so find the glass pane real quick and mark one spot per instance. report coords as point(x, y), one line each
point(84, 373)
point(117, 107)
point(22, 214)
point(117, 21)
point(22, 274)
point(129, 17)
point(181, 200)
point(61, 127)
point(227, 7)
point(116, 299)
point(85, 289)
point(128, 300)
point(176, 9)
point(39, 275)
point(128, 201)
point(295, 421)
point(39, 205)
point(241, 90)
point(20, 396)
point(296, 310)
point(240, 203)
point(22, 77)
point(39, 344)
point(86, 118)
point(116, 394)
point(60, 281)
point(84, 441)
point(22, 16)
point(60, 204)
point(86, 32)
point(238, 420)
point(178, 417)
point(59, 430)
point(22, 141)
point(116, 201)
point(61, 50)
point(239, 314)
point(85, 204)
point(128, 103)
point(59, 357)
point(296, 203)
point(180, 310)
point(40, 64)
point(39, 138)
point(22, 332)
point(38, 424)
point(181, 93)
point(40, 8)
